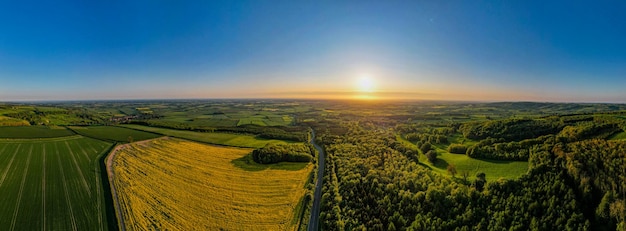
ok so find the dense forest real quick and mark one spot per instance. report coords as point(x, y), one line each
point(576, 179)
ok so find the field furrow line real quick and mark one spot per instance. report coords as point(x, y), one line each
point(99, 200)
point(4, 175)
point(67, 195)
point(19, 194)
point(82, 177)
point(92, 148)
point(3, 148)
point(43, 190)
point(85, 153)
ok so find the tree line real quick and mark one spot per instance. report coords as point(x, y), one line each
point(274, 153)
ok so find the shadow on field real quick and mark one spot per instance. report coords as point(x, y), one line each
point(500, 161)
point(106, 187)
point(425, 165)
point(441, 163)
point(247, 163)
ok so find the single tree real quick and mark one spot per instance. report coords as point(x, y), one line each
point(425, 147)
point(465, 174)
point(452, 169)
point(431, 156)
point(480, 181)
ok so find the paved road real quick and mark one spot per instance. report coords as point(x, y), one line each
point(315, 211)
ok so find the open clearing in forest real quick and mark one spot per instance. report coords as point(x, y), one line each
point(52, 183)
point(228, 139)
point(173, 184)
point(493, 169)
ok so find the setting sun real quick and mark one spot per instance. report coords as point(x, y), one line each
point(366, 84)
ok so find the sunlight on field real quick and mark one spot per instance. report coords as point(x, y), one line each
point(494, 169)
point(172, 184)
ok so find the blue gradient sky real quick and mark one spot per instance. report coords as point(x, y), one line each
point(452, 50)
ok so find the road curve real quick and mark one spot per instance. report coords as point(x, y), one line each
point(315, 210)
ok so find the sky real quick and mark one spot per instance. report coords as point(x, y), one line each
point(563, 51)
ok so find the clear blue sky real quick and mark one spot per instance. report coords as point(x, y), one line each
point(467, 50)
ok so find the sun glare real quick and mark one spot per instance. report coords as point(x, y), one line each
point(366, 84)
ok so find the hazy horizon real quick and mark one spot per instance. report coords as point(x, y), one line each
point(462, 51)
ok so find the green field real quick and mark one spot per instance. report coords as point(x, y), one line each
point(265, 120)
point(53, 184)
point(229, 139)
point(114, 134)
point(33, 132)
point(493, 169)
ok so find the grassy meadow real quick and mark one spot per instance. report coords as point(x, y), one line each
point(228, 139)
point(114, 134)
point(53, 184)
point(172, 184)
point(493, 169)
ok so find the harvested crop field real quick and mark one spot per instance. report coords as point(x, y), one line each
point(173, 184)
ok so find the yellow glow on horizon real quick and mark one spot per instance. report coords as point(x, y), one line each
point(365, 97)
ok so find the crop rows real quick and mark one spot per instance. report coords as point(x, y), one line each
point(114, 134)
point(174, 184)
point(51, 184)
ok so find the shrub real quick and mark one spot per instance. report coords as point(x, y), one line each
point(457, 149)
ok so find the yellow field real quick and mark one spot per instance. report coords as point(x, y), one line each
point(172, 184)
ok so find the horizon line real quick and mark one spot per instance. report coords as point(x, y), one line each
point(307, 99)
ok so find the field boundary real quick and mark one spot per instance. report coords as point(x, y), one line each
point(109, 170)
point(106, 188)
point(20, 140)
point(110, 177)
